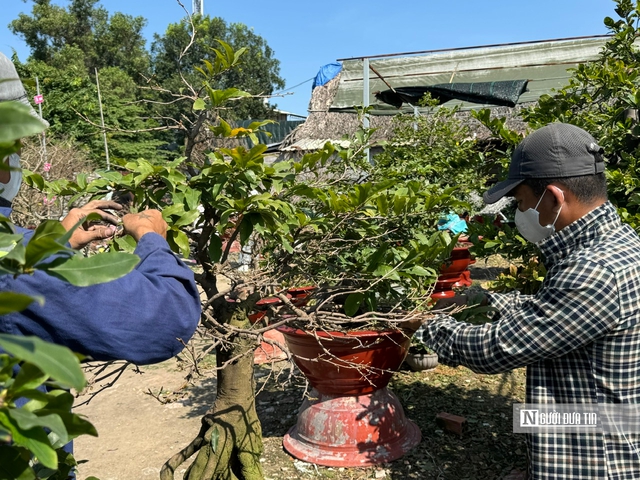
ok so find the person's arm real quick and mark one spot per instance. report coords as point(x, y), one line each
point(507, 302)
point(141, 317)
point(578, 306)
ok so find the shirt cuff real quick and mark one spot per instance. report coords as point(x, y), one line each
point(440, 335)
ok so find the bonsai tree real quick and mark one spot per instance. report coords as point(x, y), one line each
point(310, 222)
point(437, 149)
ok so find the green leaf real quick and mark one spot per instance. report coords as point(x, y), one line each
point(246, 229)
point(215, 248)
point(387, 271)
point(352, 304)
point(75, 424)
point(28, 420)
point(34, 439)
point(13, 466)
point(419, 271)
point(16, 122)
point(16, 302)
point(175, 209)
point(84, 271)
point(29, 377)
point(17, 254)
point(187, 219)
point(181, 240)
point(39, 249)
point(57, 361)
point(126, 243)
point(7, 242)
point(375, 259)
point(199, 105)
point(219, 97)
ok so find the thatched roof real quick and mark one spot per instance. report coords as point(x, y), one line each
point(323, 126)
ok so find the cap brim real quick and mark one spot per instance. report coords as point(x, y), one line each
point(500, 189)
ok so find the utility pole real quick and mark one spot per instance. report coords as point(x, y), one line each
point(197, 7)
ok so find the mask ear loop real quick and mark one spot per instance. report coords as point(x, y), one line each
point(536, 207)
point(560, 209)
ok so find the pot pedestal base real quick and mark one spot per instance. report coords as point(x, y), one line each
point(351, 431)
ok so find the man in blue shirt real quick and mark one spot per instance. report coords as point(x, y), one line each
point(143, 317)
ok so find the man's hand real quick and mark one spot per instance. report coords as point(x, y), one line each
point(87, 233)
point(409, 327)
point(137, 224)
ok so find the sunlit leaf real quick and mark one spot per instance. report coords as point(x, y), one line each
point(16, 122)
point(84, 271)
point(16, 302)
point(54, 360)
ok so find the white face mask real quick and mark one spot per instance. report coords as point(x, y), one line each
point(528, 223)
point(9, 190)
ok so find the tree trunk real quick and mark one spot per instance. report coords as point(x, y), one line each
point(229, 443)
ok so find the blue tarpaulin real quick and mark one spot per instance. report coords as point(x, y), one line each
point(326, 73)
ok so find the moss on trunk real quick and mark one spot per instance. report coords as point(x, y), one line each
point(229, 444)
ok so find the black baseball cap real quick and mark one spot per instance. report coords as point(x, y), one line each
point(558, 150)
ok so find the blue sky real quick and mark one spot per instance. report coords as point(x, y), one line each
point(306, 35)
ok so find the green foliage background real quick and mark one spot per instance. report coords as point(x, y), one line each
point(69, 43)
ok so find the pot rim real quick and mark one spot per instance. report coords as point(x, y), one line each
point(333, 334)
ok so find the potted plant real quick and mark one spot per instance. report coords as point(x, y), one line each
point(373, 251)
point(420, 357)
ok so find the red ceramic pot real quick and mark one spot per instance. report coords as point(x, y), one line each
point(298, 291)
point(352, 363)
point(459, 260)
point(461, 251)
point(257, 316)
point(446, 282)
point(300, 295)
point(455, 266)
point(351, 431)
point(265, 303)
point(444, 294)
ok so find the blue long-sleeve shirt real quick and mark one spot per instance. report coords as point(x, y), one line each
point(138, 317)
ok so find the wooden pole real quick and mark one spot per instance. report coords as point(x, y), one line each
point(104, 132)
point(43, 138)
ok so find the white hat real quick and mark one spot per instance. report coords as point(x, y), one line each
point(11, 87)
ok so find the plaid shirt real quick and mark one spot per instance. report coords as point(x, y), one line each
point(579, 338)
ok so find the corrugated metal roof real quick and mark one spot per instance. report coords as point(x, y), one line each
point(271, 133)
point(310, 144)
point(544, 64)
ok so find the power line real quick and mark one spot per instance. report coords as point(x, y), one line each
point(295, 86)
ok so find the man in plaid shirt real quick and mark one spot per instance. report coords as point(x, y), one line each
point(579, 336)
